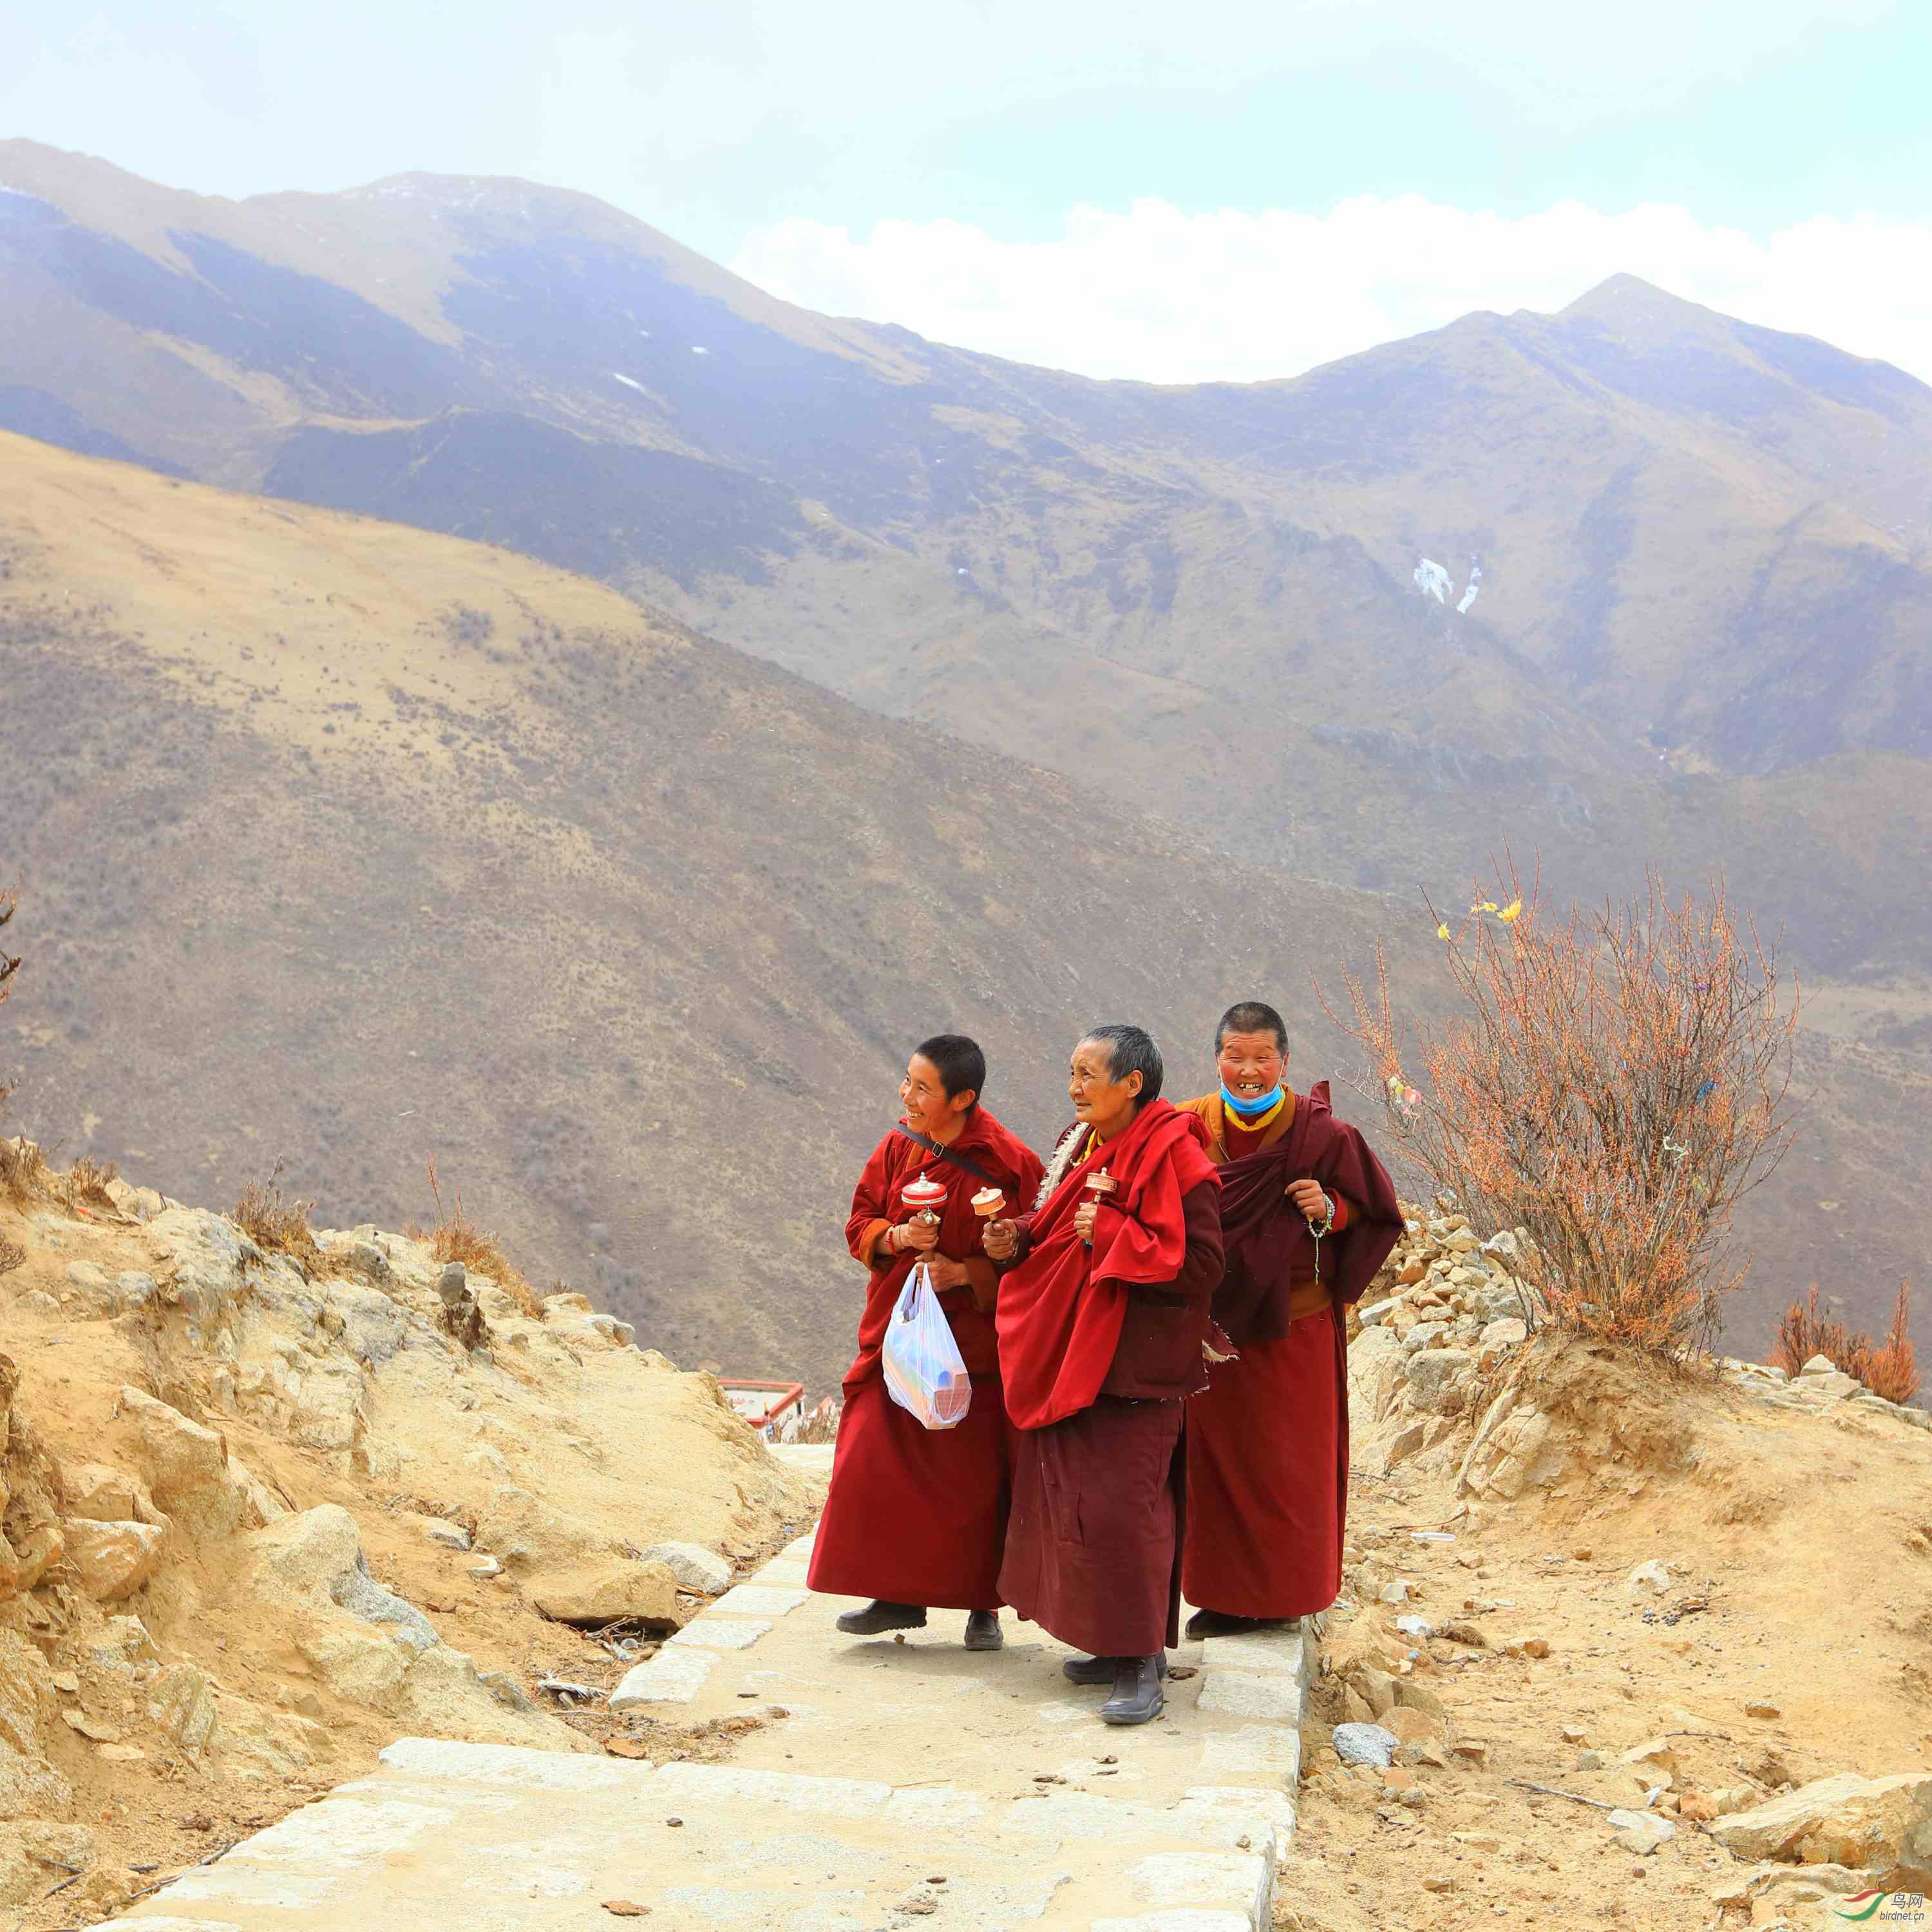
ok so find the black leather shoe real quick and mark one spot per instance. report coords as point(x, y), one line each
point(879, 1616)
point(1219, 1623)
point(1137, 1698)
point(1079, 1669)
point(983, 1631)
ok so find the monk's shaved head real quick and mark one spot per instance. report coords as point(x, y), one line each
point(1251, 1016)
point(1130, 1049)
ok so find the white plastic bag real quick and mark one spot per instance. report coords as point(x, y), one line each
point(924, 1374)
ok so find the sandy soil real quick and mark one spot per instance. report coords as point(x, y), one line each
point(1801, 1585)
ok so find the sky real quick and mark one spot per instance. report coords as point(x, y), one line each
point(1211, 191)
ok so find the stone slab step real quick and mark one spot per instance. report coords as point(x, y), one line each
point(504, 1839)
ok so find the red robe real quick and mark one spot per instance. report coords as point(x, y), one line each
point(1268, 1440)
point(1100, 1345)
point(919, 1516)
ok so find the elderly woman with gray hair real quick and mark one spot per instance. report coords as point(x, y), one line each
point(1103, 1311)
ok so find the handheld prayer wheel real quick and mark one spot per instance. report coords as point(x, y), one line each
point(923, 1196)
point(1098, 1185)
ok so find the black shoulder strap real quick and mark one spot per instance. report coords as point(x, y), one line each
point(959, 1160)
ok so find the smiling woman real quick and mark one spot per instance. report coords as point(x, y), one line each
point(1101, 1322)
point(916, 1520)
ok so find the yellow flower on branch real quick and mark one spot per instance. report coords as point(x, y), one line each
point(1442, 931)
point(1487, 905)
point(1511, 912)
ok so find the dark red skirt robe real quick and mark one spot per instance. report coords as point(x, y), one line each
point(1268, 1440)
point(919, 1516)
point(1101, 1345)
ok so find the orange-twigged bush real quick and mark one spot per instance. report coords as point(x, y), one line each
point(1887, 1368)
point(1613, 1083)
point(455, 1237)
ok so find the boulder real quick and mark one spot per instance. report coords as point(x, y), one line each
point(525, 1535)
point(1440, 1381)
point(1652, 1577)
point(1642, 1831)
point(315, 1557)
point(29, 1786)
point(1365, 1744)
point(95, 1492)
point(185, 1464)
point(1411, 1726)
point(113, 1560)
point(372, 1328)
point(1511, 1450)
point(694, 1566)
point(603, 1594)
point(1882, 1825)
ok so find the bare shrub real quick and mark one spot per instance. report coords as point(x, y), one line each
point(274, 1223)
point(454, 1237)
point(1887, 1368)
point(11, 1255)
point(1613, 1083)
point(83, 1189)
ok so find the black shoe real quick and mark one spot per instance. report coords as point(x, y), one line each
point(1079, 1669)
point(1219, 1623)
point(878, 1617)
point(983, 1631)
point(1138, 1697)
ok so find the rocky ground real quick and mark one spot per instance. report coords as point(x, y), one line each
point(261, 1515)
point(1614, 1627)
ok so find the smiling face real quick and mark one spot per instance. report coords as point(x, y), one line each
point(929, 1108)
point(1251, 1064)
point(1099, 1101)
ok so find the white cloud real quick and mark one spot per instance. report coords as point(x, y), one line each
point(1164, 296)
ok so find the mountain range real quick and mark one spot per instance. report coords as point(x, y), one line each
point(1632, 586)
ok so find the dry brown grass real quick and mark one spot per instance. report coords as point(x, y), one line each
point(24, 1172)
point(11, 1255)
point(83, 1189)
point(454, 1237)
point(1887, 1368)
point(276, 1222)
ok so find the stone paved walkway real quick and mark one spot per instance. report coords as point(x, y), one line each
point(905, 1784)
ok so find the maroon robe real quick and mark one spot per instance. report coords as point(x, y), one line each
point(915, 1515)
point(1268, 1460)
point(1100, 1496)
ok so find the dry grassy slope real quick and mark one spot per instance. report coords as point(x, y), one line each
point(349, 844)
point(352, 845)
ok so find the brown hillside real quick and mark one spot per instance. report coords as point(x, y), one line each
point(351, 846)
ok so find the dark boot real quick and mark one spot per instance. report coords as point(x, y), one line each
point(1219, 1623)
point(1079, 1669)
point(879, 1616)
point(1137, 1698)
point(983, 1631)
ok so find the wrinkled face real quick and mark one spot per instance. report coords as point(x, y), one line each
point(928, 1106)
point(1251, 1064)
point(1101, 1102)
